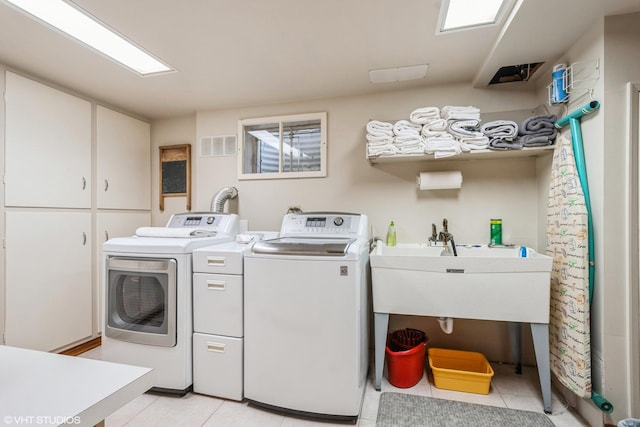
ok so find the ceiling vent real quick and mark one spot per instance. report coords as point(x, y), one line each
point(515, 73)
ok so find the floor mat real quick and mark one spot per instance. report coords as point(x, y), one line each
point(406, 410)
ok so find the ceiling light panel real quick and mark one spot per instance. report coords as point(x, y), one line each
point(398, 74)
point(466, 14)
point(83, 27)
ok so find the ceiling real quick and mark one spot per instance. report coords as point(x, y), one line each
point(236, 53)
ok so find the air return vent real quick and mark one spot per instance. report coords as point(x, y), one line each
point(218, 146)
point(515, 73)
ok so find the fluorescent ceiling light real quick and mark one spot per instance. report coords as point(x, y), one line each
point(79, 25)
point(457, 14)
point(398, 74)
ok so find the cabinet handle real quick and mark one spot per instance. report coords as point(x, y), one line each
point(106, 185)
point(217, 261)
point(84, 183)
point(106, 235)
point(215, 346)
point(216, 285)
point(84, 238)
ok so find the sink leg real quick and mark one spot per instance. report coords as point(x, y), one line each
point(515, 338)
point(540, 332)
point(381, 326)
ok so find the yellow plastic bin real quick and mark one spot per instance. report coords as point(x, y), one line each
point(460, 370)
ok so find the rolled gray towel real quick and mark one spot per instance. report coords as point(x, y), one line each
point(536, 140)
point(500, 129)
point(538, 125)
point(504, 144)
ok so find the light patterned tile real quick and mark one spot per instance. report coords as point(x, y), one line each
point(241, 414)
point(506, 381)
point(190, 410)
point(130, 410)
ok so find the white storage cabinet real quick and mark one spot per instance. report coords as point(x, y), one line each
point(123, 161)
point(218, 339)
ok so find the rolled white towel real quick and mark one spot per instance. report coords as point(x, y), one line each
point(382, 150)
point(464, 128)
point(406, 127)
point(376, 127)
point(408, 139)
point(502, 129)
point(442, 147)
point(474, 143)
point(379, 139)
point(453, 112)
point(424, 115)
point(434, 128)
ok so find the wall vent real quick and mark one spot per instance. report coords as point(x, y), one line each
point(218, 146)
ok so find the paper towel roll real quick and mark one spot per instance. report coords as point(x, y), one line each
point(439, 180)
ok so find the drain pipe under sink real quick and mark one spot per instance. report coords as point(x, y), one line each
point(446, 324)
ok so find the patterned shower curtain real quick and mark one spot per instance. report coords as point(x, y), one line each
point(567, 243)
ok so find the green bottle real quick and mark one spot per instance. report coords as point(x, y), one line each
point(391, 235)
point(496, 232)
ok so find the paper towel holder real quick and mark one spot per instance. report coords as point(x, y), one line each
point(444, 180)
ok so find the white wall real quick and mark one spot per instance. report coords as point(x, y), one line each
point(622, 64)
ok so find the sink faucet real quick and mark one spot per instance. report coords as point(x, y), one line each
point(445, 236)
point(434, 234)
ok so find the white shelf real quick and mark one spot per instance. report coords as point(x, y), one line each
point(474, 155)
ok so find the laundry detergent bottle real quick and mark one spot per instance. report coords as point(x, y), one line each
point(391, 235)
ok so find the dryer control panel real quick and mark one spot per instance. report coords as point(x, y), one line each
point(221, 222)
point(323, 224)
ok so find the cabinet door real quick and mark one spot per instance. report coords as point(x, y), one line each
point(48, 146)
point(48, 279)
point(124, 161)
point(110, 225)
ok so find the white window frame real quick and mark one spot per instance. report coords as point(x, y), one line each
point(322, 116)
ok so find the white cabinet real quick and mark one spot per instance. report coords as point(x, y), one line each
point(52, 279)
point(47, 146)
point(110, 224)
point(48, 277)
point(123, 161)
point(218, 343)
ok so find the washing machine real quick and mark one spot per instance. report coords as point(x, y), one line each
point(305, 316)
point(147, 292)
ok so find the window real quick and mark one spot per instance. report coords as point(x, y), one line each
point(283, 147)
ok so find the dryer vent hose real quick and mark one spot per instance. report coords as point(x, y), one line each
point(218, 200)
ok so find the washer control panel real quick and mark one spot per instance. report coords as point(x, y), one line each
point(324, 224)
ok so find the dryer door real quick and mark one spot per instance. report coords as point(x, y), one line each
point(141, 300)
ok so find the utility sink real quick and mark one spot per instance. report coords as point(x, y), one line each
point(470, 259)
point(492, 283)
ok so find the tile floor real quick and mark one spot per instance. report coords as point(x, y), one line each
point(507, 390)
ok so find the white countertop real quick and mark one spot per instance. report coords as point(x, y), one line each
point(39, 388)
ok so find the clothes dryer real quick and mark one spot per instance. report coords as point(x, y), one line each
point(147, 290)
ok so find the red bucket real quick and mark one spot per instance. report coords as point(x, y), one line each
point(406, 367)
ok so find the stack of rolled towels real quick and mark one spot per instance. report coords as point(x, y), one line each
point(501, 134)
point(538, 131)
point(464, 124)
point(455, 129)
point(380, 139)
